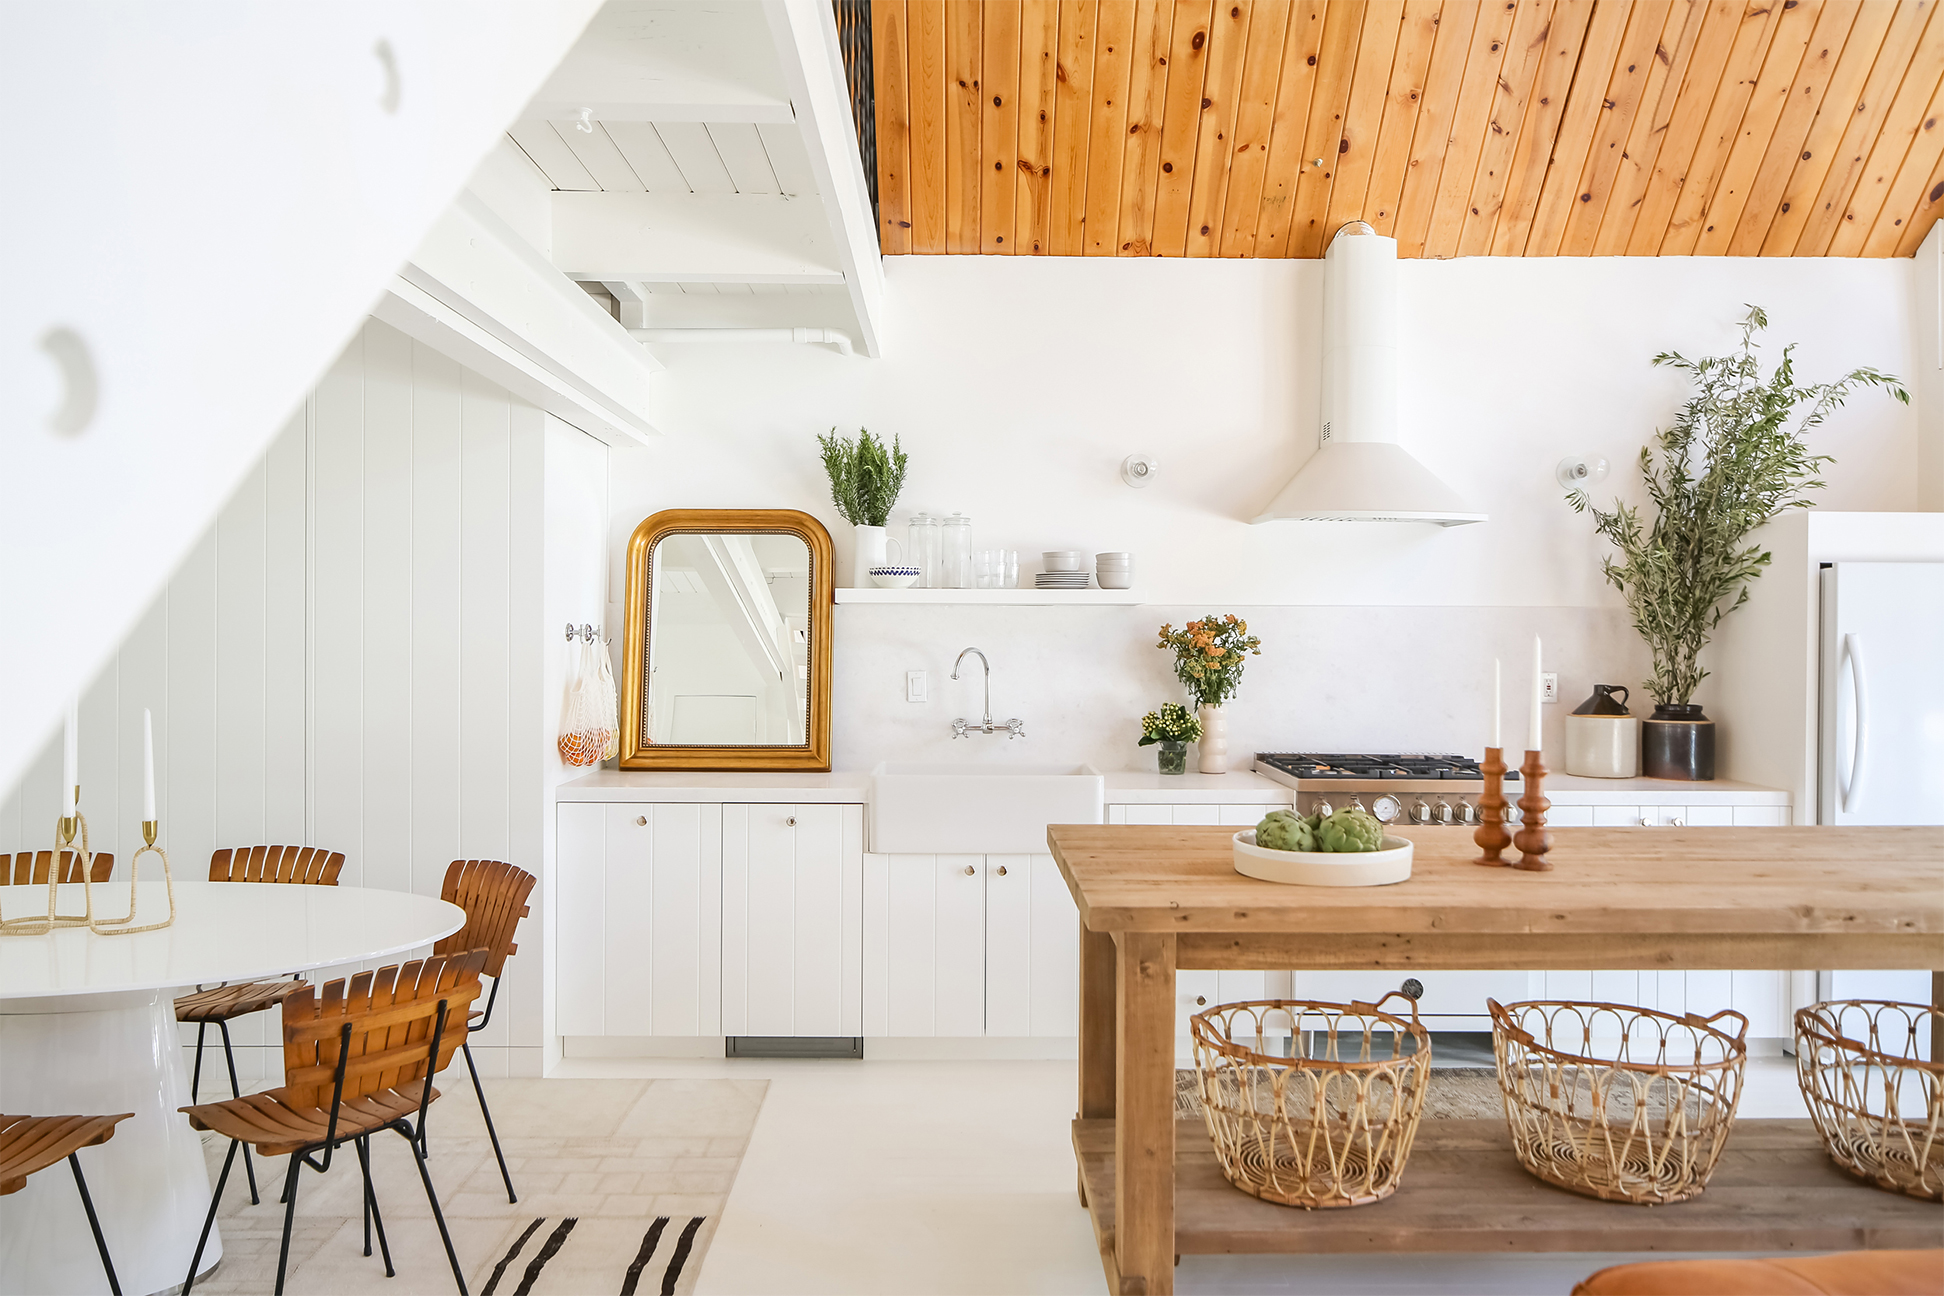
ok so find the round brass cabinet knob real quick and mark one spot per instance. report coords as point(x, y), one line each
point(1002, 870)
point(641, 820)
point(1201, 1000)
point(970, 871)
point(790, 822)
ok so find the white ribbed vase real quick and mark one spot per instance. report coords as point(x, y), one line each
point(1213, 749)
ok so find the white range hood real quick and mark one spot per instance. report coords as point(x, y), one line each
point(1359, 473)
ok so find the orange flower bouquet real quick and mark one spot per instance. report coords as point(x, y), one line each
point(1208, 655)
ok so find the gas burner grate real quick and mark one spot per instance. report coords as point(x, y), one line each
point(1372, 765)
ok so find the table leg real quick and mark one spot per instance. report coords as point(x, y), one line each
point(1096, 1031)
point(1144, 1113)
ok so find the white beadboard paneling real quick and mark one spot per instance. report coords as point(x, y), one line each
point(877, 945)
point(141, 671)
point(596, 152)
point(695, 153)
point(961, 945)
point(581, 863)
point(485, 724)
point(286, 668)
point(1055, 952)
point(386, 768)
point(100, 740)
point(783, 144)
point(743, 156)
point(641, 146)
point(530, 733)
point(555, 160)
point(1009, 945)
point(852, 943)
point(817, 983)
point(190, 810)
point(911, 943)
point(337, 610)
point(241, 642)
point(433, 637)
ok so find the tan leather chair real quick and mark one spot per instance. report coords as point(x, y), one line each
point(1845, 1273)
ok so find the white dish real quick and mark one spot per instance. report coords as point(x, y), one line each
point(1061, 560)
point(1324, 868)
point(1111, 558)
point(893, 582)
point(1116, 580)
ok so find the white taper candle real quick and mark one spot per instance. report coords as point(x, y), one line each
point(70, 762)
point(1533, 741)
point(148, 767)
point(1498, 683)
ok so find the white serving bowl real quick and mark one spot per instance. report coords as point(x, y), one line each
point(1110, 579)
point(894, 577)
point(1324, 868)
point(1061, 560)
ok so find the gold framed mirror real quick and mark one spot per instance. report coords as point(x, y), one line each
point(726, 660)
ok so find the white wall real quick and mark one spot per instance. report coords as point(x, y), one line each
point(353, 654)
point(1018, 385)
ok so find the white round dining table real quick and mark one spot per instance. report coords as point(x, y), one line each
point(87, 1027)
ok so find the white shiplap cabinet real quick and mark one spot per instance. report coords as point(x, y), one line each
point(792, 919)
point(640, 919)
point(962, 946)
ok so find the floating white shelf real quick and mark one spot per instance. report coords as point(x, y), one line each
point(993, 597)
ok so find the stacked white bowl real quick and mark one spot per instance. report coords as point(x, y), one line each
point(1114, 570)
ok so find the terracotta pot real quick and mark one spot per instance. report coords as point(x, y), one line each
point(1677, 742)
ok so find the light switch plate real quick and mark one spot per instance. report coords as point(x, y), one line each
point(915, 686)
point(1549, 686)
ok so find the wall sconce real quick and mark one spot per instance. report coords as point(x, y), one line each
point(1577, 472)
point(1138, 470)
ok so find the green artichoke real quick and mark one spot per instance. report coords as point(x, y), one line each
point(1287, 830)
point(1349, 830)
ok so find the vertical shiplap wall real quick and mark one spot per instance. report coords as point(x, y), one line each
point(351, 656)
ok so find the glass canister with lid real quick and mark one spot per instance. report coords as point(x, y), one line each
point(955, 553)
point(921, 549)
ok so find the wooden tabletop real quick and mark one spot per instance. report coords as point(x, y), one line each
point(1723, 893)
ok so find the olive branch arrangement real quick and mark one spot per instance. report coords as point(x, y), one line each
point(1727, 464)
point(865, 477)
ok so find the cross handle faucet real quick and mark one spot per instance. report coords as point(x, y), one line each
point(1012, 728)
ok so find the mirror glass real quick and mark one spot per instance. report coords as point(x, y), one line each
point(728, 650)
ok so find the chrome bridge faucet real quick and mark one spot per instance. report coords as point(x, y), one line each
point(960, 728)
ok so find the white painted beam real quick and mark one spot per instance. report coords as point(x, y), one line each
point(805, 36)
point(630, 300)
point(669, 60)
point(693, 238)
point(158, 155)
point(475, 265)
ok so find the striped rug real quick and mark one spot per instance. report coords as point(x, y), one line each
point(578, 1256)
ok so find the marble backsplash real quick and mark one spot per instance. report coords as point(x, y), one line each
point(1328, 679)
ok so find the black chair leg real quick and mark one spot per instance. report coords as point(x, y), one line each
point(425, 1177)
point(290, 1214)
point(195, 1080)
point(229, 1056)
point(87, 1204)
point(486, 1112)
point(371, 1208)
point(209, 1221)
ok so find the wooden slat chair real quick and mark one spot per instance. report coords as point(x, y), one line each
point(494, 895)
point(220, 1005)
point(30, 1143)
point(359, 1057)
point(29, 868)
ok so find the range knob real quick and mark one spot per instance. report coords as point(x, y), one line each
point(1385, 809)
point(1421, 813)
point(1467, 813)
point(1445, 814)
point(1356, 803)
point(1320, 806)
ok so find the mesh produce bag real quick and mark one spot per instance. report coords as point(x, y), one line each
point(585, 728)
point(610, 709)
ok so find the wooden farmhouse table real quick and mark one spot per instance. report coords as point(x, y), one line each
point(1155, 899)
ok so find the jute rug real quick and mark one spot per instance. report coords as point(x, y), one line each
point(1454, 1092)
point(621, 1183)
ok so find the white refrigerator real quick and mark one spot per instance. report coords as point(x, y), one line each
point(1881, 730)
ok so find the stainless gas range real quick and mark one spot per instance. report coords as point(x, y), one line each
point(1409, 788)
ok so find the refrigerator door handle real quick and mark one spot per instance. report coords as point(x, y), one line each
point(1860, 731)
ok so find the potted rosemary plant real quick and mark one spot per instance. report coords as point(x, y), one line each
point(1173, 728)
point(1208, 662)
point(865, 480)
point(1730, 462)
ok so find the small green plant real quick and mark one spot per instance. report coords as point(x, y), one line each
point(865, 477)
point(1728, 464)
point(1208, 655)
point(1171, 722)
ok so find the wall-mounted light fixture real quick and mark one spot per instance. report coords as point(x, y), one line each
point(1577, 472)
point(1139, 470)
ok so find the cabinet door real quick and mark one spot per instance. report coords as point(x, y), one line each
point(1616, 816)
point(924, 945)
point(793, 911)
point(1032, 954)
point(640, 925)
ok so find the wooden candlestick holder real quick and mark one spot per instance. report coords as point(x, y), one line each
point(1532, 839)
point(1490, 834)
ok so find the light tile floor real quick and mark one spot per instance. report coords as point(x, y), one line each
point(957, 1177)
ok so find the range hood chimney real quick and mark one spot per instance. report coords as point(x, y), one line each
point(1359, 473)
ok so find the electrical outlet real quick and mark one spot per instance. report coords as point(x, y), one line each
point(915, 686)
point(1548, 686)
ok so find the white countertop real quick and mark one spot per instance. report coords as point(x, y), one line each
point(753, 786)
point(1574, 789)
point(1238, 787)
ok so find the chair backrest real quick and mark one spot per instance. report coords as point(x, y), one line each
point(391, 1012)
point(493, 894)
point(306, 865)
point(29, 868)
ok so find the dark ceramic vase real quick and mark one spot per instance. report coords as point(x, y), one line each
point(1677, 742)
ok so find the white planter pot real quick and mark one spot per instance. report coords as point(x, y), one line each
point(869, 553)
point(1213, 749)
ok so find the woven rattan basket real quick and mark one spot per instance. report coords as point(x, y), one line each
point(1878, 1103)
point(1329, 1126)
point(1624, 1104)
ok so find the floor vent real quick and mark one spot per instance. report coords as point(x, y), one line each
point(794, 1046)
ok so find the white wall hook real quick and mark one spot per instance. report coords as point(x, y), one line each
point(1139, 470)
point(1577, 472)
point(81, 389)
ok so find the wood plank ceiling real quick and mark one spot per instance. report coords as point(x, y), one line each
point(1460, 127)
